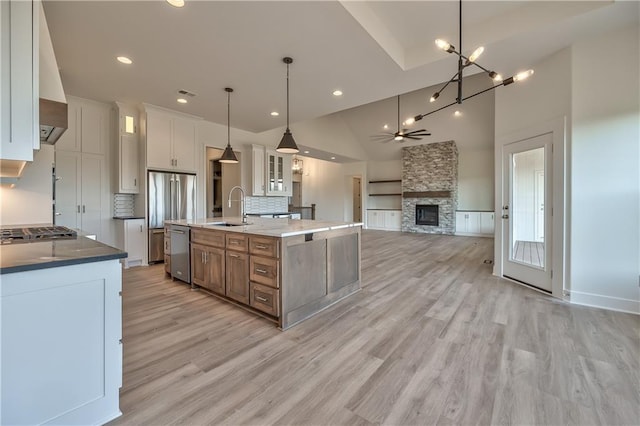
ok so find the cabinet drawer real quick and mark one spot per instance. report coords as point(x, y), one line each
point(237, 242)
point(264, 246)
point(208, 237)
point(265, 299)
point(264, 271)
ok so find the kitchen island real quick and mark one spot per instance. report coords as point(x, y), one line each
point(283, 269)
point(61, 325)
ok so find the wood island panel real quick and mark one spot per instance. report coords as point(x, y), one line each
point(237, 276)
point(264, 270)
point(264, 246)
point(208, 237)
point(265, 298)
point(237, 242)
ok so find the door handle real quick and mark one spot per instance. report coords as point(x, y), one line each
point(175, 231)
point(78, 208)
point(505, 207)
point(58, 214)
point(84, 210)
point(505, 216)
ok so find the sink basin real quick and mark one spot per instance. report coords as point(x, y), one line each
point(227, 224)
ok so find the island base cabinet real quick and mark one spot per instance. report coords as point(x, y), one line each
point(208, 268)
point(237, 271)
point(61, 344)
point(265, 299)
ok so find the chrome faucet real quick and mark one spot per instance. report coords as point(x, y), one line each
point(242, 212)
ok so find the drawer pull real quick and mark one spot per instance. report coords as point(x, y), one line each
point(261, 246)
point(236, 242)
point(262, 299)
point(261, 271)
point(233, 255)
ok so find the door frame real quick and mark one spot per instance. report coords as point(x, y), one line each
point(558, 130)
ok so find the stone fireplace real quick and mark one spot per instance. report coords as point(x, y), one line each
point(429, 188)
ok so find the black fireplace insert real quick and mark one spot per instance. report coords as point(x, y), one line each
point(427, 214)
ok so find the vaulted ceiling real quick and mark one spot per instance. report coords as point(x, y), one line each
point(371, 50)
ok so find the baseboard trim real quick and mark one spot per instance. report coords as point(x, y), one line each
point(605, 302)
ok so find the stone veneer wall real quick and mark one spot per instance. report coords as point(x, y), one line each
point(430, 167)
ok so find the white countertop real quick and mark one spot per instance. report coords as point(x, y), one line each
point(266, 226)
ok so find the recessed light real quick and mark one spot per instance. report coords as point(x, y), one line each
point(176, 3)
point(409, 121)
point(306, 152)
point(333, 158)
point(337, 93)
point(182, 100)
point(275, 113)
point(457, 113)
point(124, 60)
point(386, 126)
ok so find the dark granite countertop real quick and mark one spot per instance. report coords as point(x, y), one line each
point(54, 253)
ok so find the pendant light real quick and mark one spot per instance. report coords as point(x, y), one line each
point(228, 156)
point(287, 144)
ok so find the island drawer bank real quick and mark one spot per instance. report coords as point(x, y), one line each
point(285, 270)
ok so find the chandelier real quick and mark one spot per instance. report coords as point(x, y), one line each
point(463, 63)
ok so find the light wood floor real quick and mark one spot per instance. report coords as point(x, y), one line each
point(529, 252)
point(432, 338)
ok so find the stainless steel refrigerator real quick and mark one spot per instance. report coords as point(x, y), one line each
point(172, 196)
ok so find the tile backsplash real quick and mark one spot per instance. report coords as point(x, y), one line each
point(266, 204)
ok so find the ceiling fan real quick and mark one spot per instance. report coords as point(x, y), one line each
point(402, 134)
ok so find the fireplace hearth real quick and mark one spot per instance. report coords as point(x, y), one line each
point(427, 214)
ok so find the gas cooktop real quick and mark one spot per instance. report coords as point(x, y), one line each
point(36, 233)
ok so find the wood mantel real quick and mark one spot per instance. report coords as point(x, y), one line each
point(427, 194)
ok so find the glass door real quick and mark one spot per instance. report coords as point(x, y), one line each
point(526, 220)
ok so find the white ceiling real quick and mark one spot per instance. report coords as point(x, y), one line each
point(370, 50)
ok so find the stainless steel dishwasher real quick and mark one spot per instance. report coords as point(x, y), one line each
point(180, 253)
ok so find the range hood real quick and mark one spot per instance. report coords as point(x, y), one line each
point(53, 120)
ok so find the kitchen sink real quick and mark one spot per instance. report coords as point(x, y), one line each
point(227, 224)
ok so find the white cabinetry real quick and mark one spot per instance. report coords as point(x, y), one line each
point(81, 188)
point(79, 191)
point(279, 175)
point(128, 149)
point(170, 140)
point(19, 36)
point(388, 220)
point(257, 170)
point(88, 130)
point(474, 223)
point(487, 223)
point(132, 238)
point(61, 348)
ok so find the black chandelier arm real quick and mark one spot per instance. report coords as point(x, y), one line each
point(421, 116)
point(451, 80)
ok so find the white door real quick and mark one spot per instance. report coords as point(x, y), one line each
point(92, 174)
point(526, 254)
point(68, 195)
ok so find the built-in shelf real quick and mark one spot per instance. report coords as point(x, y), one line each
point(384, 195)
point(386, 181)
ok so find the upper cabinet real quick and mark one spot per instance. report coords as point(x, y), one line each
point(279, 173)
point(88, 130)
point(19, 111)
point(257, 170)
point(128, 149)
point(170, 140)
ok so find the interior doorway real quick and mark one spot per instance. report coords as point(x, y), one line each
point(220, 178)
point(357, 199)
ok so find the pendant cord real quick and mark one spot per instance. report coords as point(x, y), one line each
point(398, 113)
point(287, 96)
point(228, 118)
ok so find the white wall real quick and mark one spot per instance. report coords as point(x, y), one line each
point(323, 185)
point(29, 202)
point(595, 85)
point(605, 179)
